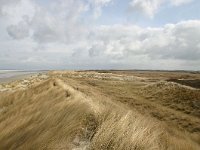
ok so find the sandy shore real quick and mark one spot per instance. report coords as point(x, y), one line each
point(10, 76)
point(22, 81)
point(14, 78)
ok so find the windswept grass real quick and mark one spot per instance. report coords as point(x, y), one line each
point(54, 115)
point(177, 96)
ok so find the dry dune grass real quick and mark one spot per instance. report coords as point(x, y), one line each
point(127, 131)
point(187, 99)
point(46, 116)
point(53, 115)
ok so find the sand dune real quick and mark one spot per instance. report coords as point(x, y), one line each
point(186, 98)
point(54, 113)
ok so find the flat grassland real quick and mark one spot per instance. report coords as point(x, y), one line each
point(117, 110)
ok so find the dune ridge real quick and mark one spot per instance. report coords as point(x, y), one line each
point(55, 115)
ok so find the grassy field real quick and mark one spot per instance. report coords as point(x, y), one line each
point(119, 110)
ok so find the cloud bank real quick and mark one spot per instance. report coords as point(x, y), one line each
point(63, 35)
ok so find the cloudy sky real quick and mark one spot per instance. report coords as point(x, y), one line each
point(100, 34)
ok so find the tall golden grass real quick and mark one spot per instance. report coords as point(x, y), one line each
point(53, 115)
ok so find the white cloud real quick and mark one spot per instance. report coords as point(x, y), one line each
point(151, 7)
point(97, 5)
point(172, 42)
point(180, 2)
point(148, 7)
point(19, 31)
point(16, 10)
point(58, 21)
point(58, 35)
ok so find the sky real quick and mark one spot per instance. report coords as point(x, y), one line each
point(100, 34)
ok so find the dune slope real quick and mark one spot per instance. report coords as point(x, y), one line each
point(55, 115)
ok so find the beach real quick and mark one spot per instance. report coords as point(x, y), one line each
point(7, 76)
